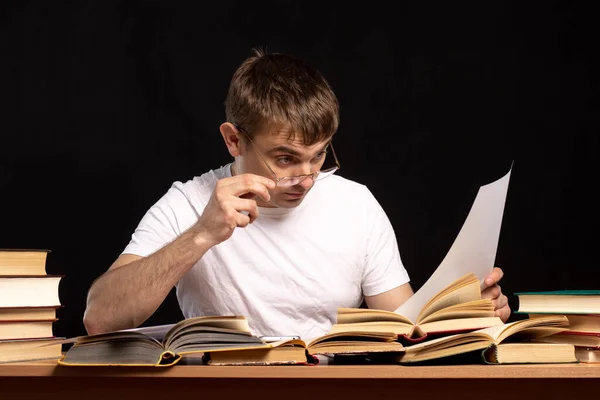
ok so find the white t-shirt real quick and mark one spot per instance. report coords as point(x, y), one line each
point(290, 269)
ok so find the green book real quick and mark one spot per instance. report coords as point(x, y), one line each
point(563, 293)
point(559, 302)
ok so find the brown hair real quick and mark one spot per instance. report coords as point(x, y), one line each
point(278, 89)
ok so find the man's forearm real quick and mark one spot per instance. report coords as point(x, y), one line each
point(127, 296)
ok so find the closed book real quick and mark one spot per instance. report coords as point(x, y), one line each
point(29, 291)
point(530, 353)
point(26, 329)
point(28, 313)
point(30, 349)
point(23, 261)
point(559, 302)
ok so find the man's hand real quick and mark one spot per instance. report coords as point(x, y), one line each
point(232, 205)
point(493, 291)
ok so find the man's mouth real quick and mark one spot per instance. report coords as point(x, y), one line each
point(294, 194)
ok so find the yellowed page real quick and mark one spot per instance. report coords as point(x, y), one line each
point(495, 331)
point(355, 315)
point(233, 322)
point(538, 353)
point(458, 294)
point(375, 336)
point(460, 324)
point(431, 354)
point(450, 341)
point(537, 327)
point(474, 249)
point(355, 347)
point(471, 309)
point(394, 327)
point(249, 346)
point(541, 325)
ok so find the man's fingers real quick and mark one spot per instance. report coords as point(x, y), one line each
point(500, 302)
point(494, 276)
point(246, 208)
point(491, 292)
point(503, 313)
point(250, 185)
point(242, 220)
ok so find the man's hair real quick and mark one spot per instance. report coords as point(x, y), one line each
point(278, 90)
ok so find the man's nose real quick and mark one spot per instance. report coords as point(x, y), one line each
point(304, 169)
point(307, 183)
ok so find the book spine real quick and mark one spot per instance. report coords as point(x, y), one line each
point(490, 355)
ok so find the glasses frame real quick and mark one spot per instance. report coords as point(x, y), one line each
point(313, 175)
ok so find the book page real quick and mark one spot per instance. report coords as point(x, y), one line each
point(495, 332)
point(463, 292)
point(355, 315)
point(355, 336)
point(155, 333)
point(474, 249)
point(527, 328)
point(470, 309)
point(158, 332)
point(457, 325)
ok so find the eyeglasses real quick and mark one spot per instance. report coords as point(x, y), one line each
point(288, 181)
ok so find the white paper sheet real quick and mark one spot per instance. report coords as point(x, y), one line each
point(474, 249)
point(158, 332)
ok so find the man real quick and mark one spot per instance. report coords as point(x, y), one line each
point(273, 236)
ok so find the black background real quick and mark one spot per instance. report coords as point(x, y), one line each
point(106, 103)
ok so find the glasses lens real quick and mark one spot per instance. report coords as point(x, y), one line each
point(327, 169)
point(324, 174)
point(292, 180)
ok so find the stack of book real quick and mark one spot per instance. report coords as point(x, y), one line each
point(582, 309)
point(29, 301)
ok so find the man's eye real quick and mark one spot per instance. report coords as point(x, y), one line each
point(285, 160)
point(321, 156)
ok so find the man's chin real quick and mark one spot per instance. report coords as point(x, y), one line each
point(289, 203)
point(287, 200)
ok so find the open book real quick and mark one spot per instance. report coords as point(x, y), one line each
point(297, 351)
point(456, 308)
point(163, 345)
point(209, 338)
point(490, 342)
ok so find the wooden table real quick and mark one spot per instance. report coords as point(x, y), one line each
point(46, 380)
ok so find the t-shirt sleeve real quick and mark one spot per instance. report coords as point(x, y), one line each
point(168, 218)
point(383, 269)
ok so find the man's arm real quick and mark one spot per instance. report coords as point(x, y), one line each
point(390, 300)
point(134, 287)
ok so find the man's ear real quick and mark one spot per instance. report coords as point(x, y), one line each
point(232, 138)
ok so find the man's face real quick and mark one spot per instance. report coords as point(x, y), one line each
point(286, 157)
